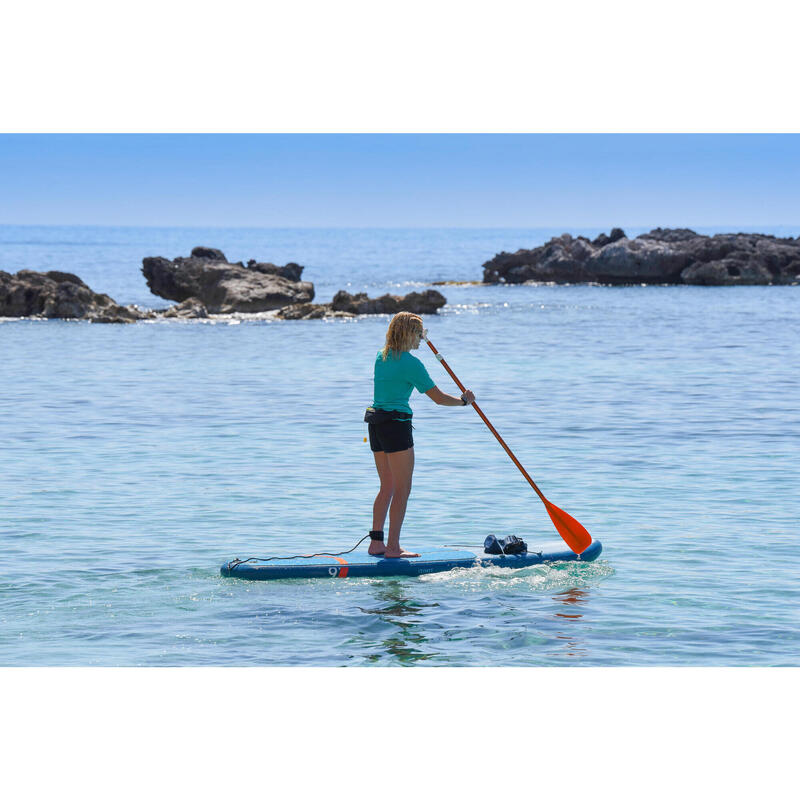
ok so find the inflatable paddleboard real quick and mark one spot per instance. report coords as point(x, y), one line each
point(362, 565)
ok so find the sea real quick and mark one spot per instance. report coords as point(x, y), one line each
point(137, 459)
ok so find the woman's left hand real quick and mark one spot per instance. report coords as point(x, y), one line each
point(468, 398)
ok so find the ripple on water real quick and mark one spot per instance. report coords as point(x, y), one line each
point(663, 418)
point(537, 578)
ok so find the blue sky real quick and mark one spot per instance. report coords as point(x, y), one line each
point(387, 180)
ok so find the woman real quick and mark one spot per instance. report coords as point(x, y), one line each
point(397, 373)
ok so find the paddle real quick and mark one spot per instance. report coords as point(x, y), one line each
point(572, 532)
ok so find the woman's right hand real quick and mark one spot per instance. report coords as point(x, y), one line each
point(468, 397)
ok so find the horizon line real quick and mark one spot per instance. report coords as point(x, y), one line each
point(394, 227)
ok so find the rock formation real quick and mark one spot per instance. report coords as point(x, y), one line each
point(224, 288)
point(58, 295)
point(291, 271)
point(349, 305)
point(188, 309)
point(662, 256)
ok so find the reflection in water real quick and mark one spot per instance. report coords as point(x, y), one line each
point(401, 612)
point(571, 598)
point(405, 641)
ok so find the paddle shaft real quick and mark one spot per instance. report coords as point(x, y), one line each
point(489, 425)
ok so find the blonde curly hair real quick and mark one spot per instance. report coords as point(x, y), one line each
point(400, 336)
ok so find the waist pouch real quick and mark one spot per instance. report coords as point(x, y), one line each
point(376, 416)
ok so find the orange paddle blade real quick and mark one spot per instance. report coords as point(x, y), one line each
point(572, 532)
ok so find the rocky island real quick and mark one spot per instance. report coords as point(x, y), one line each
point(663, 256)
point(203, 284)
point(208, 278)
point(58, 295)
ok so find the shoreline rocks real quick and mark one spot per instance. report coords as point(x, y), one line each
point(349, 305)
point(662, 256)
point(225, 288)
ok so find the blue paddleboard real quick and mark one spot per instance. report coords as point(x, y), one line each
point(362, 565)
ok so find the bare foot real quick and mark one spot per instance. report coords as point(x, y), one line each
point(376, 548)
point(399, 554)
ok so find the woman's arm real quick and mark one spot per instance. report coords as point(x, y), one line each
point(441, 399)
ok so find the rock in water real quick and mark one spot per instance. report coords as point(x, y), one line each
point(224, 288)
point(188, 309)
point(209, 254)
point(58, 295)
point(351, 305)
point(428, 302)
point(677, 255)
point(291, 271)
point(310, 311)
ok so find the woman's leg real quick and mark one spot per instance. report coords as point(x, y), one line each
point(402, 468)
point(381, 504)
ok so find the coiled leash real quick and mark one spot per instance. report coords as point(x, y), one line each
point(507, 546)
point(376, 536)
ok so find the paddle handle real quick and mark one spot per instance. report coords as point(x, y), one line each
point(489, 425)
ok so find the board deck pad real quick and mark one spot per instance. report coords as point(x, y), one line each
point(363, 565)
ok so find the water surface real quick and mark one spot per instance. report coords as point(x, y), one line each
point(136, 459)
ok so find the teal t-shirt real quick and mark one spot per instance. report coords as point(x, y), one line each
point(396, 378)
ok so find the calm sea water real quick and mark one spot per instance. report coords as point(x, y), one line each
point(136, 459)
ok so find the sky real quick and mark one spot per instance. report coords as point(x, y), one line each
point(401, 180)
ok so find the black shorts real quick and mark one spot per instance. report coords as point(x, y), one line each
point(390, 437)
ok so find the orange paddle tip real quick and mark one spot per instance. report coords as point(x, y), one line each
point(572, 532)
